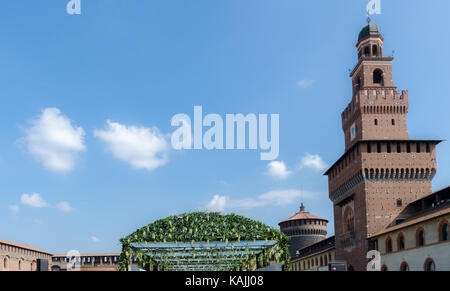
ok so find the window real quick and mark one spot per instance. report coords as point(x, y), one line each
point(389, 148)
point(20, 265)
point(399, 149)
point(378, 147)
point(429, 265)
point(399, 202)
point(393, 121)
point(428, 148)
point(384, 268)
point(418, 147)
point(369, 149)
point(420, 238)
point(408, 148)
point(378, 77)
point(401, 242)
point(443, 232)
point(404, 267)
point(375, 122)
point(375, 51)
point(349, 220)
point(5, 264)
point(388, 245)
point(366, 51)
point(353, 132)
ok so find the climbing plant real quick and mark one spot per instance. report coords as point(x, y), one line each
point(184, 232)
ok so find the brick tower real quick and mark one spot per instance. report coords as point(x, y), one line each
point(304, 229)
point(382, 170)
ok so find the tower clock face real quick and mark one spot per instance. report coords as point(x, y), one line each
point(353, 132)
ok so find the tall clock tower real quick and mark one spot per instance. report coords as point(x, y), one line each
point(382, 169)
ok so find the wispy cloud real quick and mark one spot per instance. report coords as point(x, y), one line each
point(278, 170)
point(305, 83)
point(95, 239)
point(64, 206)
point(53, 140)
point(271, 198)
point(141, 147)
point(14, 208)
point(314, 162)
point(34, 200)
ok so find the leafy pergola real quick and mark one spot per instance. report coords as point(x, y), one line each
point(204, 241)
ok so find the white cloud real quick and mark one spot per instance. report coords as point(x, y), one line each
point(95, 239)
point(314, 162)
point(14, 208)
point(305, 83)
point(54, 141)
point(142, 148)
point(34, 200)
point(271, 198)
point(64, 206)
point(217, 204)
point(278, 170)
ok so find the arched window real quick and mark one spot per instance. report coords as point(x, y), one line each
point(384, 268)
point(375, 51)
point(404, 267)
point(349, 220)
point(378, 76)
point(393, 121)
point(401, 242)
point(420, 237)
point(367, 51)
point(20, 265)
point(429, 265)
point(443, 232)
point(389, 245)
point(5, 264)
point(375, 121)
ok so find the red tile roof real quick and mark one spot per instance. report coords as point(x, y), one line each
point(303, 215)
point(24, 246)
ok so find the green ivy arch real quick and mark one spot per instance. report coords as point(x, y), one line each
point(188, 230)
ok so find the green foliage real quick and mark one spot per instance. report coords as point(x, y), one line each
point(190, 228)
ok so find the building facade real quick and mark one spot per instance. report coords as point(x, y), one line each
point(382, 170)
point(316, 257)
point(86, 262)
point(303, 229)
point(21, 257)
point(419, 241)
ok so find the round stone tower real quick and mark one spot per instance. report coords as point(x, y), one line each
point(304, 229)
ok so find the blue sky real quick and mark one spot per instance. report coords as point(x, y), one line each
point(138, 63)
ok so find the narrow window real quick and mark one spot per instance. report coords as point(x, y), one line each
point(388, 245)
point(401, 242)
point(393, 121)
point(369, 149)
point(420, 238)
point(378, 147)
point(428, 148)
point(376, 122)
point(375, 51)
point(389, 148)
point(418, 148)
point(408, 148)
point(399, 149)
point(444, 232)
point(399, 202)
